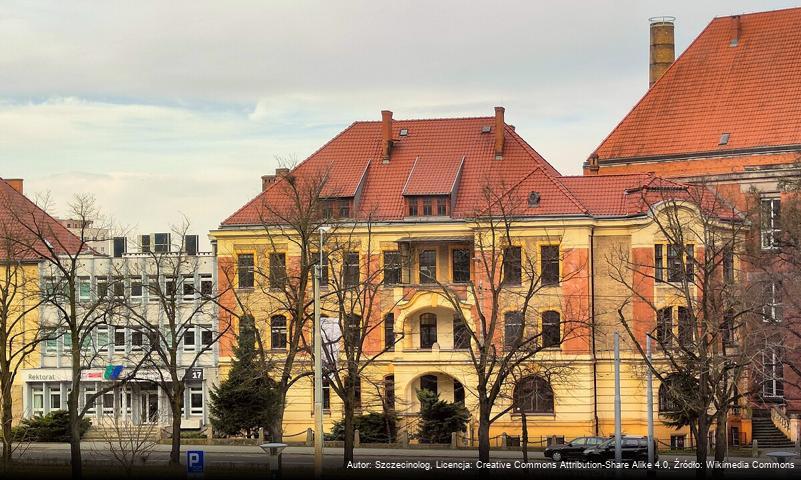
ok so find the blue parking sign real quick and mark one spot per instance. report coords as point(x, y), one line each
point(194, 461)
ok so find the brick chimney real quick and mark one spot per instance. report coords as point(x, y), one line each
point(267, 180)
point(736, 31)
point(15, 183)
point(499, 131)
point(663, 48)
point(386, 134)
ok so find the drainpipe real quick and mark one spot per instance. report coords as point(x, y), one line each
point(592, 329)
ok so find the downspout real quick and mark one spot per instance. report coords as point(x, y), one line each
point(592, 330)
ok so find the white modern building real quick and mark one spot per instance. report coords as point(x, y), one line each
point(146, 278)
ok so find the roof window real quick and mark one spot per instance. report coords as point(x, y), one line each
point(534, 199)
point(486, 129)
point(404, 132)
point(724, 139)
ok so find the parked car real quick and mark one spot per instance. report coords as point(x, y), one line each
point(632, 448)
point(572, 449)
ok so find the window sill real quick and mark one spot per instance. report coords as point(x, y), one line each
point(552, 415)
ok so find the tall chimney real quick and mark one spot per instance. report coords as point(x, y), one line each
point(267, 180)
point(736, 30)
point(15, 183)
point(663, 49)
point(499, 128)
point(386, 134)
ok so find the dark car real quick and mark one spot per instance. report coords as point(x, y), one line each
point(572, 449)
point(632, 449)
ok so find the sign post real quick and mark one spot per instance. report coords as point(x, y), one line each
point(195, 463)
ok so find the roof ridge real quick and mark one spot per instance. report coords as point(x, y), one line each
point(435, 119)
point(763, 12)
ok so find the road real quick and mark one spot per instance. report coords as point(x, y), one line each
point(389, 463)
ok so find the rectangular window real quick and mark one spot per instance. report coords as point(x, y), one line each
point(664, 326)
point(144, 243)
point(245, 267)
point(102, 287)
point(191, 244)
point(120, 246)
point(412, 207)
point(51, 340)
point(727, 328)
point(392, 268)
point(428, 266)
point(84, 289)
point(728, 265)
point(89, 401)
point(118, 287)
point(350, 269)
point(206, 335)
point(428, 330)
point(659, 263)
point(772, 310)
point(675, 266)
point(549, 257)
point(512, 267)
point(188, 287)
point(442, 207)
point(513, 329)
point(206, 285)
point(119, 339)
point(773, 384)
point(136, 340)
point(677, 442)
point(389, 332)
point(189, 339)
point(55, 399)
point(37, 394)
point(461, 265)
point(461, 335)
point(277, 270)
point(66, 340)
point(344, 209)
point(551, 329)
point(102, 338)
point(771, 226)
point(161, 242)
point(108, 403)
point(136, 288)
point(685, 327)
point(196, 400)
point(326, 394)
point(170, 287)
point(428, 209)
point(278, 332)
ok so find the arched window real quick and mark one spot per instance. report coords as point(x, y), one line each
point(428, 330)
point(533, 394)
point(551, 329)
point(278, 332)
point(668, 395)
point(389, 332)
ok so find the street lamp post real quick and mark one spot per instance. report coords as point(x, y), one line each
point(318, 366)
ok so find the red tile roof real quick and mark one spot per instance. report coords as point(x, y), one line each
point(752, 91)
point(441, 155)
point(19, 218)
point(433, 176)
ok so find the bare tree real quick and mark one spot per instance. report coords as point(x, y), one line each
point(278, 288)
point(182, 329)
point(700, 308)
point(127, 444)
point(20, 297)
point(509, 324)
point(356, 301)
point(78, 313)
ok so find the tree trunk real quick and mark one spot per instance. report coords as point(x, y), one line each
point(73, 406)
point(276, 426)
point(483, 430)
point(720, 435)
point(7, 419)
point(349, 430)
point(177, 403)
point(702, 444)
point(524, 439)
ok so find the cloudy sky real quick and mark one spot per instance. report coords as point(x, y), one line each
point(162, 109)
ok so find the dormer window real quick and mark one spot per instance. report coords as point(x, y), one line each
point(428, 206)
point(336, 208)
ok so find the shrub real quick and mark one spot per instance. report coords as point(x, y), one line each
point(440, 418)
point(372, 427)
point(53, 427)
